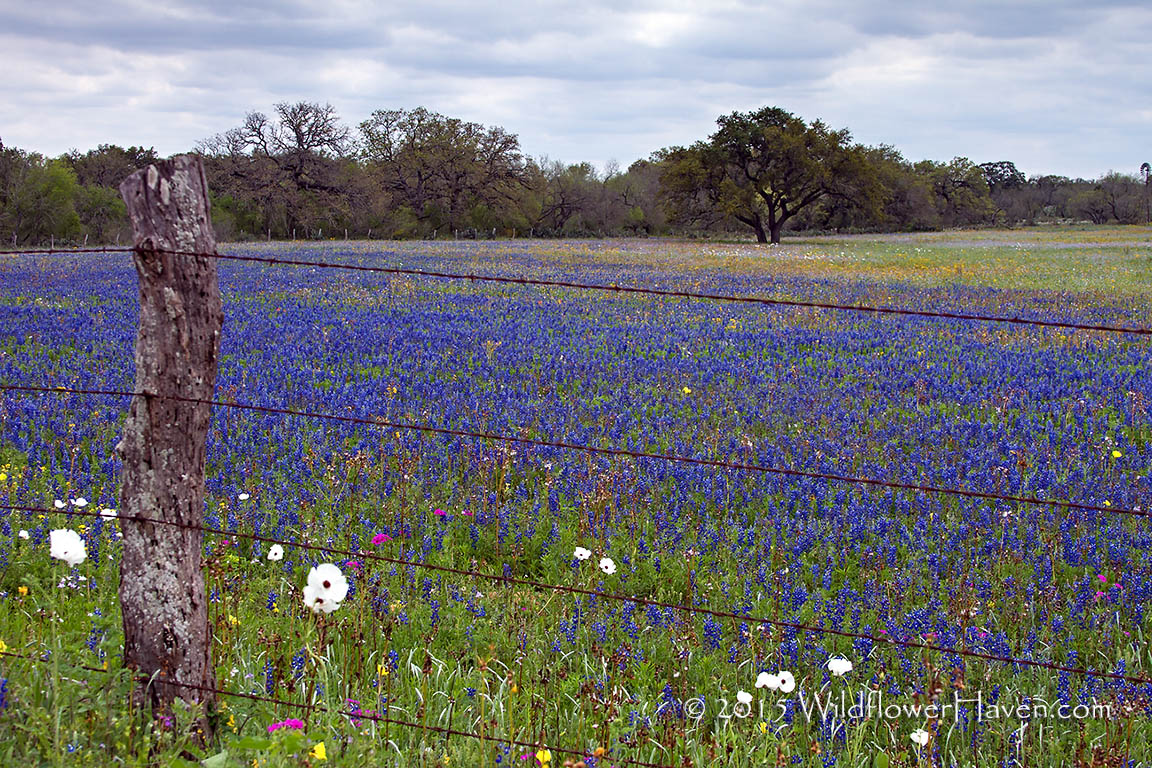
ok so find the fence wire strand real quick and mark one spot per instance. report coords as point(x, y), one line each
point(564, 588)
point(629, 289)
point(353, 715)
point(563, 445)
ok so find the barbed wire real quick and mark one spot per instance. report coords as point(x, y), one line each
point(669, 293)
point(63, 251)
point(353, 715)
point(496, 436)
point(565, 588)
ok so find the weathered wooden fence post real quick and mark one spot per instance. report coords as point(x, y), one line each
point(162, 595)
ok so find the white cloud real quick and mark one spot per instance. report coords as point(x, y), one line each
point(660, 28)
point(1054, 85)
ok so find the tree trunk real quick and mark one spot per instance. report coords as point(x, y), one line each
point(775, 231)
point(761, 237)
point(162, 595)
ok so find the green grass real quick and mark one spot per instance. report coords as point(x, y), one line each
point(1091, 260)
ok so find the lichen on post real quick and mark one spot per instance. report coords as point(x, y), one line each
point(162, 595)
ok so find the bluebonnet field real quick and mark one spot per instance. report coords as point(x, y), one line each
point(999, 408)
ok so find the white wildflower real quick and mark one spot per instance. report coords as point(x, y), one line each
point(838, 665)
point(766, 680)
point(326, 588)
point(67, 545)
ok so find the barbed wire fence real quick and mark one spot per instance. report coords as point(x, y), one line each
point(200, 529)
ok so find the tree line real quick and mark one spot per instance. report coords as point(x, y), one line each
point(301, 172)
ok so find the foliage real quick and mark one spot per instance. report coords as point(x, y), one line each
point(441, 168)
point(300, 172)
point(39, 200)
point(108, 165)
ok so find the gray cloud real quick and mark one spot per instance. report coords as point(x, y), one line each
point(1055, 85)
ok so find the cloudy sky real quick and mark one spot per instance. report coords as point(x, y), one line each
point(1055, 86)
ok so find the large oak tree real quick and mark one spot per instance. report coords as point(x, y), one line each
point(294, 166)
point(441, 168)
point(762, 168)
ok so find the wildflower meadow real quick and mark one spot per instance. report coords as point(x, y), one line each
point(390, 595)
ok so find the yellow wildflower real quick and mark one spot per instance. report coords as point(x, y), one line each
point(544, 756)
point(687, 390)
point(318, 752)
point(1115, 455)
point(23, 591)
point(3, 647)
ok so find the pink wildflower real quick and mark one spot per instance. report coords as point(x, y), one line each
point(292, 723)
point(440, 513)
point(380, 538)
